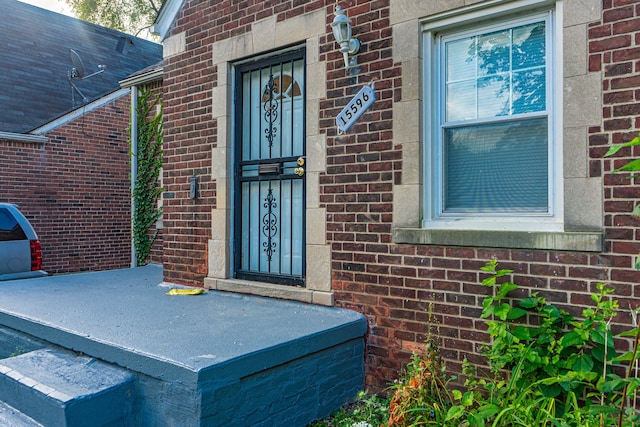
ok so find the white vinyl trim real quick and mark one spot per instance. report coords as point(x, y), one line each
point(482, 20)
point(23, 137)
point(80, 111)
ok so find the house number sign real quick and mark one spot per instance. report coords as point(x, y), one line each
point(355, 108)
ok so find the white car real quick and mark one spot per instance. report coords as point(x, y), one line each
point(20, 251)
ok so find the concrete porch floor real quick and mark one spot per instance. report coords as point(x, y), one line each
point(198, 360)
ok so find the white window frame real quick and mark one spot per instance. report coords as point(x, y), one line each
point(501, 16)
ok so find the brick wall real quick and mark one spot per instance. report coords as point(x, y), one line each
point(75, 190)
point(188, 138)
point(393, 284)
point(614, 51)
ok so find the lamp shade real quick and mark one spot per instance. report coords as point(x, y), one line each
point(341, 26)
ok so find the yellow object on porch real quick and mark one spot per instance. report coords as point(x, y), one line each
point(176, 291)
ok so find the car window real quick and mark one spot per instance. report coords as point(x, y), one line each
point(9, 227)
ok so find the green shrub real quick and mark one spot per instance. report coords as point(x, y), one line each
point(549, 369)
point(543, 368)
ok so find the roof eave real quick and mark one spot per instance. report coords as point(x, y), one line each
point(166, 16)
point(24, 137)
point(80, 111)
point(148, 77)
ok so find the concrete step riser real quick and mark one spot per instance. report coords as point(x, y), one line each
point(11, 417)
point(61, 388)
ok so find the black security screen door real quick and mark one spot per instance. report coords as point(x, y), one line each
point(269, 198)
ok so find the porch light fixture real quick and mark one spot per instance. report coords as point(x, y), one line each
point(341, 27)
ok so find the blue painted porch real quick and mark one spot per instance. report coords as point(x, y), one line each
point(111, 348)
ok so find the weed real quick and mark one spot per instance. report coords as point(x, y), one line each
point(18, 352)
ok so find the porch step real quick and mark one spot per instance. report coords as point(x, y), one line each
point(59, 388)
point(13, 343)
point(11, 417)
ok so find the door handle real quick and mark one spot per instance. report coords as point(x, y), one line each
point(299, 170)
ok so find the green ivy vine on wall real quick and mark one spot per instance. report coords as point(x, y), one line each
point(149, 164)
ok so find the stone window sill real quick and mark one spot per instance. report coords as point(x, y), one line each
point(582, 241)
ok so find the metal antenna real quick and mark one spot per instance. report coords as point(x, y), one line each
point(78, 72)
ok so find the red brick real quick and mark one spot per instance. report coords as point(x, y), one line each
point(609, 44)
point(617, 14)
point(625, 83)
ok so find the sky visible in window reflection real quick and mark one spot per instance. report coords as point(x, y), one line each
point(496, 74)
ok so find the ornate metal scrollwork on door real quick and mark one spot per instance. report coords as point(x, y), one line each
point(269, 143)
point(270, 109)
point(269, 225)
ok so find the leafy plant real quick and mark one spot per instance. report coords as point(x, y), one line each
point(633, 166)
point(149, 161)
point(365, 409)
point(421, 396)
point(556, 346)
point(543, 368)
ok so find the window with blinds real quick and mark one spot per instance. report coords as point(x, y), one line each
point(491, 148)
